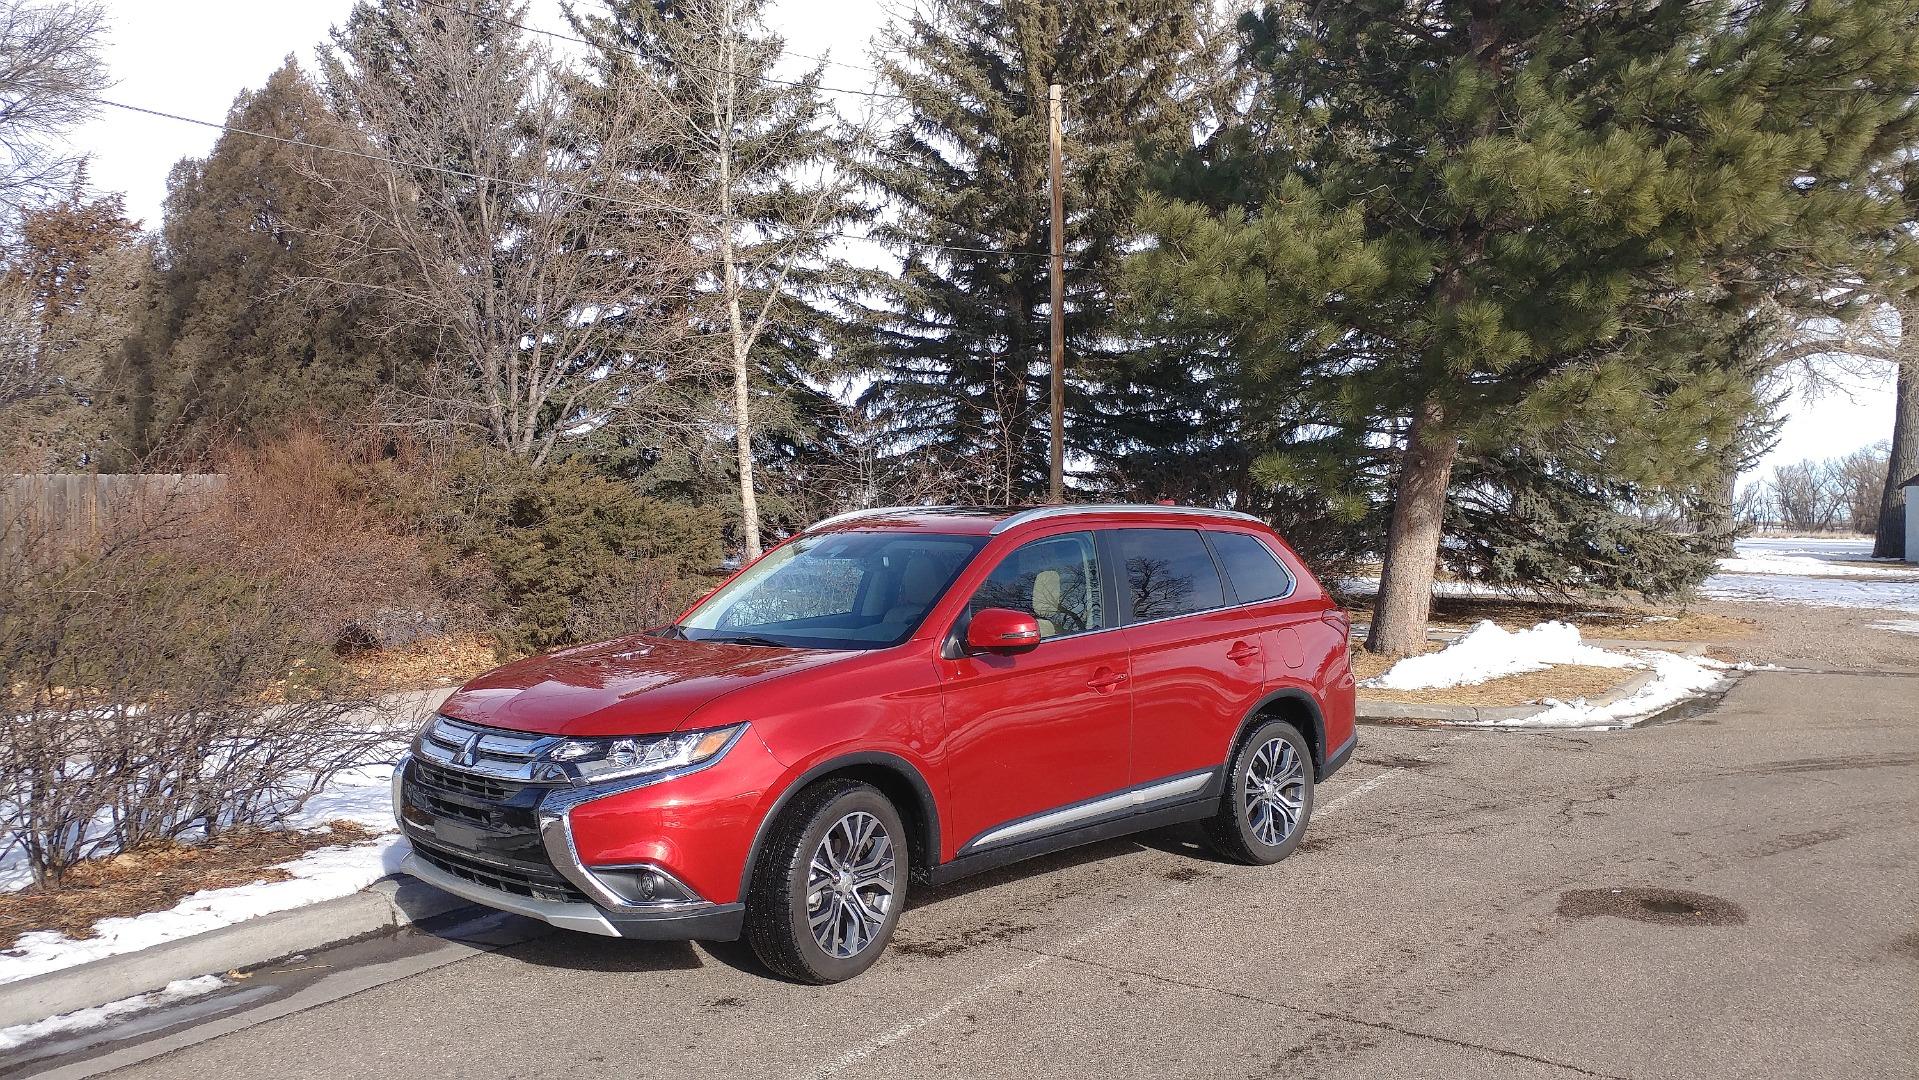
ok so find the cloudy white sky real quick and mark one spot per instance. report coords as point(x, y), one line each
point(191, 57)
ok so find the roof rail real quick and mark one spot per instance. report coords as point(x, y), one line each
point(872, 511)
point(1041, 512)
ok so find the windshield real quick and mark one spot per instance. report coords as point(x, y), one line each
point(841, 590)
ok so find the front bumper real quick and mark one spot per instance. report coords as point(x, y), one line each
point(703, 921)
point(515, 852)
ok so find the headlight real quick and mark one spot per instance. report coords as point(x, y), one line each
point(589, 761)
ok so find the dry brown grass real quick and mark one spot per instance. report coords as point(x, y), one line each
point(156, 878)
point(1564, 682)
point(428, 662)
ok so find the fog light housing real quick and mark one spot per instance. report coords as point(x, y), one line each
point(644, 884)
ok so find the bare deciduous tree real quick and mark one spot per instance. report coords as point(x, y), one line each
point(504, 221)
point(50, 69)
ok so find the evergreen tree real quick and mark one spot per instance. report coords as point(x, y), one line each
point(1538, 226)
point(753, 162)
point(961, 349)
point(242, 338)
point(70, 289)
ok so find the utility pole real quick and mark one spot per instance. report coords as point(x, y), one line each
point(1058, 487)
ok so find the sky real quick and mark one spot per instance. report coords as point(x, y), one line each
point(190, 57)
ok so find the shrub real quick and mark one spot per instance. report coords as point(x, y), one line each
point(574, 556)
point(160, 686)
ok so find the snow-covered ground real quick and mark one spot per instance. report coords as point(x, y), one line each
point(1820, 572)
point(361, 795)
point(111, 1012)
point(1489, 652)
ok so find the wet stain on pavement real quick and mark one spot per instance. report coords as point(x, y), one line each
point(1185, 873)
point(1661, 907)
point(1907, 946)
point(966, 939)
point(727, 1003)
point(1395, 761)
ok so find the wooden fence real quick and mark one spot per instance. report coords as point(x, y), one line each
point(81, 509)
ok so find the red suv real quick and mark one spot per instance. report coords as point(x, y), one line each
point(892, 696)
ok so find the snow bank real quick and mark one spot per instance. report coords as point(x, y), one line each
point(1675, 678)
point(1488, 652)
point(111, 1012)
point(361, 795)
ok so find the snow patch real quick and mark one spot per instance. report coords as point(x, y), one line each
point(1899, 626)
point(1675, 679)
point(111, 1012)
point(361, 795)
point(1489, 652)
point(1766, 562)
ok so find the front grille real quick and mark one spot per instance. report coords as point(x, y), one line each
point(431, 775)
point(501, 878)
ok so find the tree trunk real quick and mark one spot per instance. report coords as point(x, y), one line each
point(1405, 597)
point(730, 274)
point(1890, 541)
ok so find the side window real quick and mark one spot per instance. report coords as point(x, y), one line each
point(1056, 580)
point(1168, 572)
point(1251, 566)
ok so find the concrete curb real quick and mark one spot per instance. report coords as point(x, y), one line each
point(387, 905)
point(1401, 712)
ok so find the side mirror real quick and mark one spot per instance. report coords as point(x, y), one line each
point(1001, 630)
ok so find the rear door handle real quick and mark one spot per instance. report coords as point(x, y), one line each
point(1242, 652)
point(1107, 680)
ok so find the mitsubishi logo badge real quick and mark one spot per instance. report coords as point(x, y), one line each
point(467, 753)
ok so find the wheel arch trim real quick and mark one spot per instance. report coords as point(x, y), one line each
point(927, 811)
point(1317, 736)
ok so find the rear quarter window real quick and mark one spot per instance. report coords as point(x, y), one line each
point(1255, 572)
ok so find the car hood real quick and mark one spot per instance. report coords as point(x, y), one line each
point(630, 686)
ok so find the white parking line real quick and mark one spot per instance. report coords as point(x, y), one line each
point(1157, 903)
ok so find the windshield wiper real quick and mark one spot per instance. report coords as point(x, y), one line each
point(747, 639)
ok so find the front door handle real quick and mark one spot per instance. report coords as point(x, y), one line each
point(1242, 652)
point(1105, 680)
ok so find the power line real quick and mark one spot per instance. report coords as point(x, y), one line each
point(557, 36)
point(446, 170)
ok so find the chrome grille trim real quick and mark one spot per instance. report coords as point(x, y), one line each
point(484, 751)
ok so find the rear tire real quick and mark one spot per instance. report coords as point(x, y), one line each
point(829, 885)
point(1268, 799)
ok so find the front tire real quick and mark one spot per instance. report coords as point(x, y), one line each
point(829, 885)
point(1268, 799)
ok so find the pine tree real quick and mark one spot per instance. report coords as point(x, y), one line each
point(754, 162)
point(961, 349)
point(1499, 225)
point(243, 338)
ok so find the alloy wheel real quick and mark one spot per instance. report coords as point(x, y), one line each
point(850, 885)
point(1275, 792)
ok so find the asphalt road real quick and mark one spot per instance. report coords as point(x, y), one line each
point(1437, 923)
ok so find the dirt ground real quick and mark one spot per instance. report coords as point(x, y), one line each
point(1800, 635)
